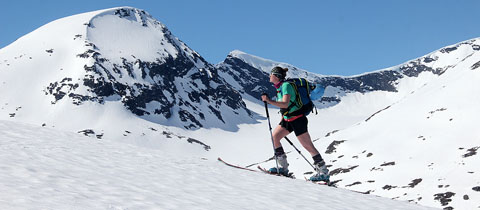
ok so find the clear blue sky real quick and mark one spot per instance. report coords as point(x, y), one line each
point(332, 37)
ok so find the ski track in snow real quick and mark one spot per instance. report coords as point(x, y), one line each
point(43, 168)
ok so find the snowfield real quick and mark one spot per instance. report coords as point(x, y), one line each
point(44, 168)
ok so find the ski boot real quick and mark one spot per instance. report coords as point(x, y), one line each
point(322, 173)
point(282, 166)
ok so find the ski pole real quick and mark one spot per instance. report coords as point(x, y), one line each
point(271, 135)
point(299, 152)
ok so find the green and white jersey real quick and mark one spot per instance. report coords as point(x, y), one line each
point(287, 89)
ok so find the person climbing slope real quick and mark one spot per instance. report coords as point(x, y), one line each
point(296, 122)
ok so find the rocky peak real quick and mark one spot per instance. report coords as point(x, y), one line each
point(243, 67)
point(134, 59)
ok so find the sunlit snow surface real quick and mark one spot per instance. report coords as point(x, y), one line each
point(42, 168)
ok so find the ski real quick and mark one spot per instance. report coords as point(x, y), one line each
point(290, 175)
point(327, 183)
point(235, 166)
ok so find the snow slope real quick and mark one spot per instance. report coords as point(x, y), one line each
point(43, 168)
point(430, 136)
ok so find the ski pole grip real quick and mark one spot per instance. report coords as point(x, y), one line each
point(266, 104)
point(266, 109)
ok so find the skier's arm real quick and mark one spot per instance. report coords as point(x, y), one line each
point(282, 104)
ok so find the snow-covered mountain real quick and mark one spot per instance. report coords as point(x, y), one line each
point(426, 142)
point(406, 132)
point(241, 67)
point(121, 57)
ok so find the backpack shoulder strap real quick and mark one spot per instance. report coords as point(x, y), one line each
point(297, 101)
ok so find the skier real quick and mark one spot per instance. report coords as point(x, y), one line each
point(298, 124)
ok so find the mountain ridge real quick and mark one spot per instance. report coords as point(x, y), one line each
point(379, 80)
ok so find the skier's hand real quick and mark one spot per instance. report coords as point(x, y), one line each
point(265, 98)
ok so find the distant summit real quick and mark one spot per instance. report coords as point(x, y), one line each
point(123, 55)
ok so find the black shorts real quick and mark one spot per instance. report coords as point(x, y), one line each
point(299, 125)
